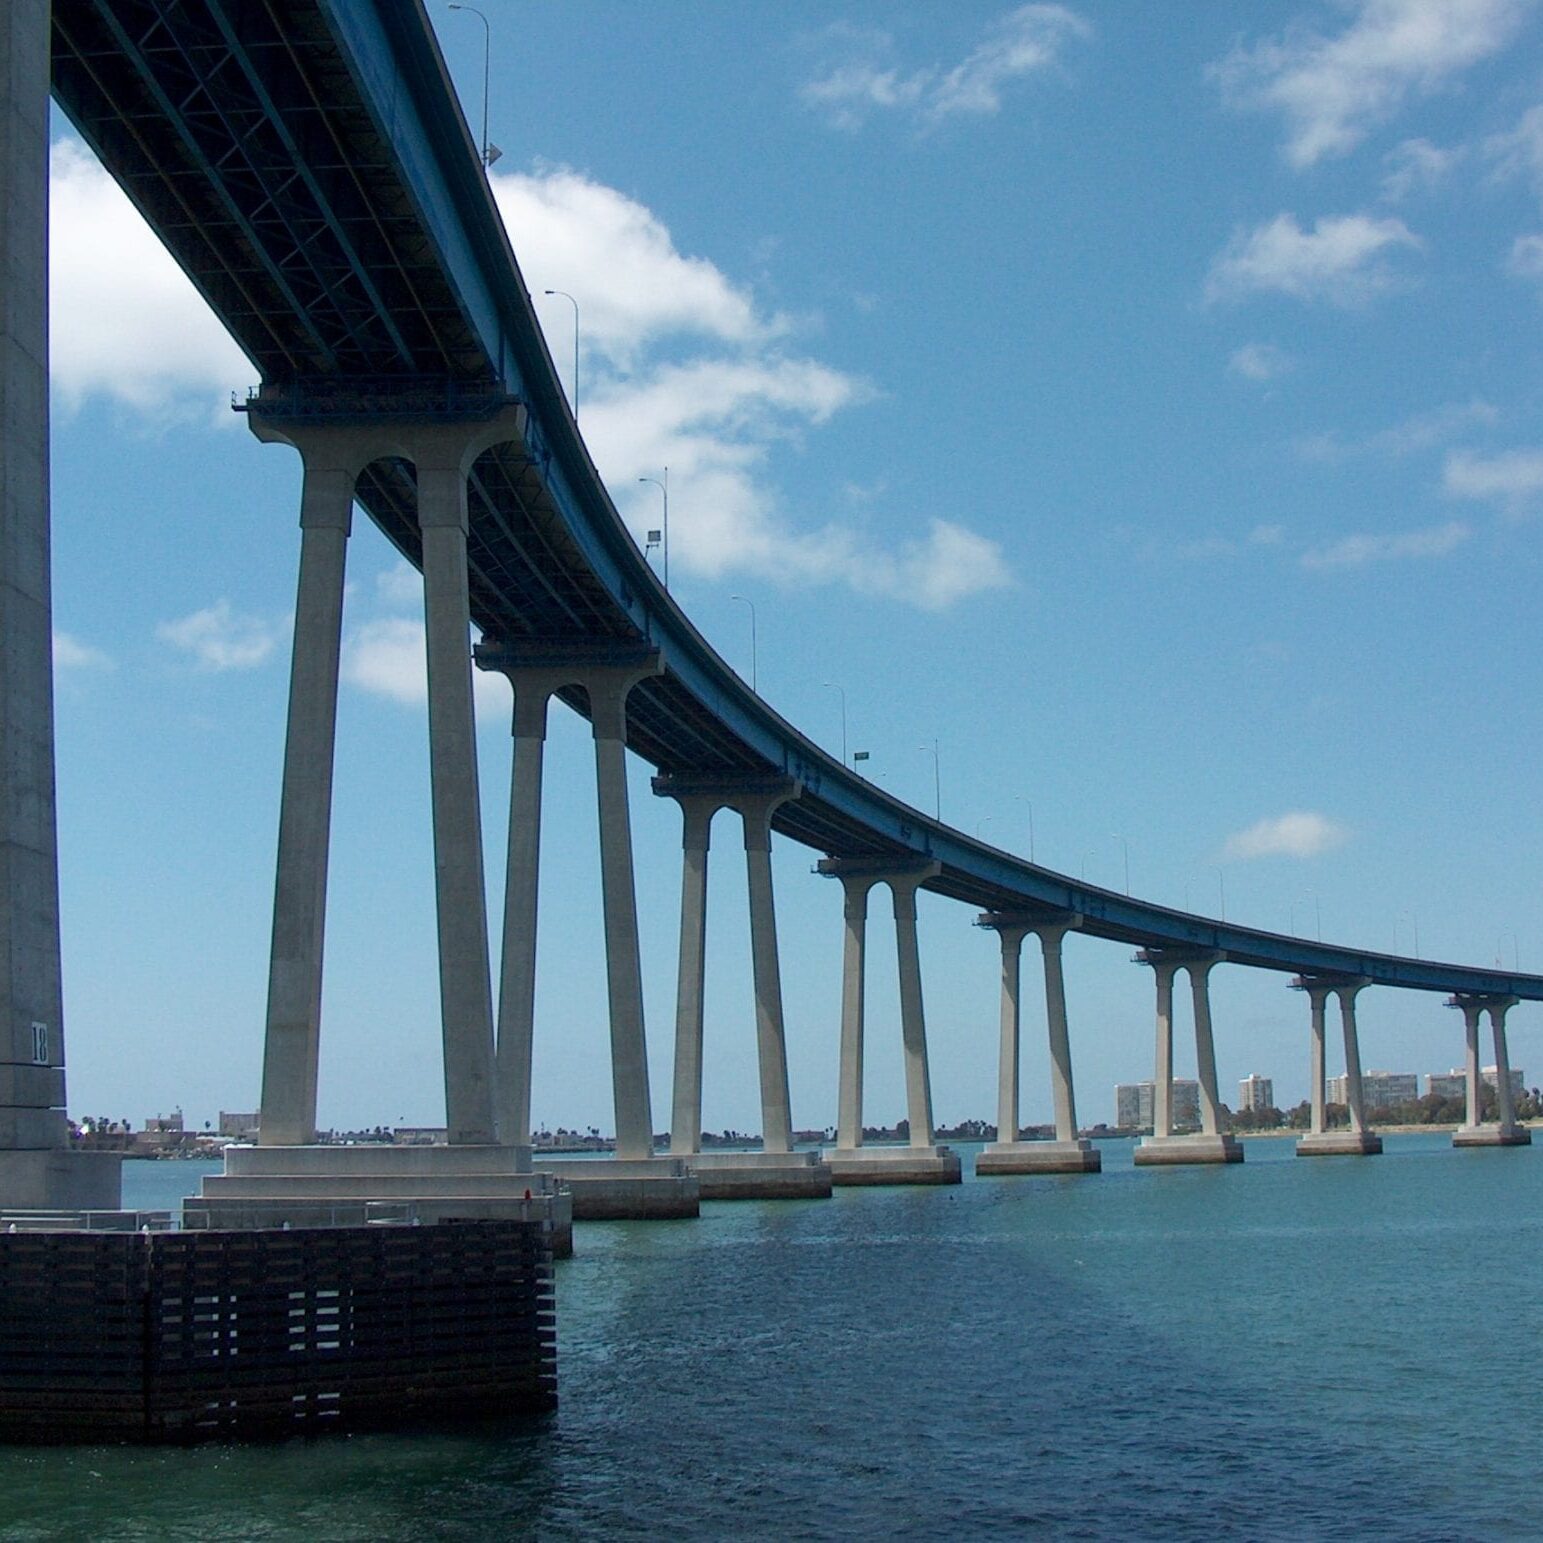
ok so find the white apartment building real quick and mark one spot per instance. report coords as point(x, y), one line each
point(1256, 1092)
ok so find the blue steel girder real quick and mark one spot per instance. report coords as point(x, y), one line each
point(279, 118)
point(182, 78)
point(234, 127)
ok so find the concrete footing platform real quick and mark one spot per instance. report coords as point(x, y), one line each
point(760, 1175)
point(60, 1179)
point(1172, 1151)
point(1038, 1157)
point(892, 1165)
point(1339, 1143)
point(1492, 1136)
point(332, 1186)
point(626, 1189)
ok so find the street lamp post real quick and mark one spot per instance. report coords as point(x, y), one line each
point(831, 685)
point(1221, 891)
point(487, 57)
point(575, 304)
point(1125, 845)
point(937, 778)
point(751, 603)
point(1029, 803)
point(664, 487)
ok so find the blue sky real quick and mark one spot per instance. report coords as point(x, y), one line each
point(1141, 404)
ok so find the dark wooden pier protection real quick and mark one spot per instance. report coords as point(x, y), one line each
point(182, 1337)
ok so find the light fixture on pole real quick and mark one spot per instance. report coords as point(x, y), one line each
point(830, 685)
point(575, 304)
point(664, 487)
point(751, 603)
point(1029, 804)
point(490, 151)
point(937, 778)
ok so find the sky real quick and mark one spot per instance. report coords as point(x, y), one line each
point(1141, 404)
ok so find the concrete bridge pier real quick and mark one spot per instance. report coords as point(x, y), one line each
point(1319, 1141)
point(1212, 1144)
point(776, 1171)
point(1007, 1154)
point(635, 1183)
point(331, 460)
point(920, 1161)
point(287, 1177)
point(1503, 1131)
point(37, 1167)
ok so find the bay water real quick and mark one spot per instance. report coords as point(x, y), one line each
point(1286, 1349)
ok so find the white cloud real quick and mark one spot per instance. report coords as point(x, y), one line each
point(1020, 43)
point(1526, 259)
point(1333, 90)
point(1341, 259)
point(1416, 166)
point(400, 587)
point(124, 321)
point(1519, 153)
point(1028, 39)
point(1259, 361)
point(1421, 431)
point(683, 369)
point(71, 654)
point(1512, 478)
point(220, 638)
point(1355, 551)
point(386, 658)
point(680, 366)
point(949, 565)
point(617, 259)
point(1300, 833)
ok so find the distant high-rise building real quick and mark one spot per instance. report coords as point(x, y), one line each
point(1133, 1103)
point(1256, 1092)
point(1379, 1090)
point(1454, 1084)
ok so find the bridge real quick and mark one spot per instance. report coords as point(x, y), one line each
point(307, 164)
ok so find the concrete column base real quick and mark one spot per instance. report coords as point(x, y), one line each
point(892, 1165)
point(329, 1186)
point(1492, 1136)
point(1038, 1157)
point(760, 1175)
point(1339, 1143)
point(1166, 1151)
point(60, 1179)
point(627, 1189)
